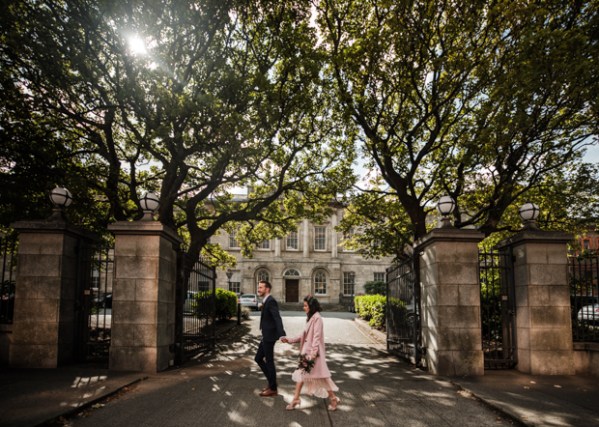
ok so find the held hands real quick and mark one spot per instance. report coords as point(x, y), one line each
point(284, 339)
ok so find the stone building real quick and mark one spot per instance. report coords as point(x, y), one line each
point(311, 260)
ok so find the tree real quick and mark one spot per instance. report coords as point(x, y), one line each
point(192, 99)
point(480, 100)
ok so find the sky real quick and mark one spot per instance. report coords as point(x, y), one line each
point(592, 154)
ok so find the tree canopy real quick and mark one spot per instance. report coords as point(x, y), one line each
point(190, 98)
point(484, 101)
point(490, 102)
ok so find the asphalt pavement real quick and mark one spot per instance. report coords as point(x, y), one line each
point(221, 389)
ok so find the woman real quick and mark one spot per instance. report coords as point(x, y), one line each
point(317, 378)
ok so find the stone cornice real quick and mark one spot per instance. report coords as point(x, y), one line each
point(449, 235)
point(144, 228)
point(51, 227)
point(536, 236)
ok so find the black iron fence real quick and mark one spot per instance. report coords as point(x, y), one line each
point(403, 318)
point(584, 296)
point(198, 329)
point(8, 269)
point(95, 290)
point(498, 310)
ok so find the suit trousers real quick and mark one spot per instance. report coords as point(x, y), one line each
point(265, 358)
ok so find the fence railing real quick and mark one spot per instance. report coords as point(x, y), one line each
point(8, 268)
point(403, 311)
point(584, 296)
point(497, 309)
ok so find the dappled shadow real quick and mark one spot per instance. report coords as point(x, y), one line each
point(222, 388)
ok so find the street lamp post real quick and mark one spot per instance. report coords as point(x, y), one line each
point(61, 198)
point(149, 203)
point(445, 206)
point(529, 212)
point(229, 275)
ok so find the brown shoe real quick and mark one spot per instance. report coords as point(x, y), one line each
point(269, 393)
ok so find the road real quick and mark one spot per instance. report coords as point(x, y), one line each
point(376, 389)
point(339, 328)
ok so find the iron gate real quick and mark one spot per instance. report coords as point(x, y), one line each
point(8, 267)
point(498, 311)
point(93, 305)
point(197, 312)
point(583, 271)
point(404, 336)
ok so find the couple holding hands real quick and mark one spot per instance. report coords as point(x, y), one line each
point(312, 372)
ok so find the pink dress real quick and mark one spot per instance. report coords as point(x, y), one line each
point(318, 381)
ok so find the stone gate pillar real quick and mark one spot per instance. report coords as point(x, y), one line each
point(450, 301)
point(143, 304)
point(543, 324)
point(45, 322)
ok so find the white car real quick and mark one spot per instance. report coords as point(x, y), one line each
point(589, 313)
point(250, 301)
point(190, 302)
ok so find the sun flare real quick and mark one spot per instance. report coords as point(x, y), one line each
point(137, 45)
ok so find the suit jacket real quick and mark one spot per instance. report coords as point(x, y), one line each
point(312, 344)
point(271, 323)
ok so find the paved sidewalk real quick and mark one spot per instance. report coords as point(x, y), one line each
point(376, 390)
point(31, 397)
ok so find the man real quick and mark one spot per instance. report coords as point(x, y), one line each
point(271, 326)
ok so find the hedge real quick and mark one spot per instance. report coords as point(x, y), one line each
point(225, 304)
point(372, 308)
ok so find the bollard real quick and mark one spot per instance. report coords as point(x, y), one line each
point(238, 313)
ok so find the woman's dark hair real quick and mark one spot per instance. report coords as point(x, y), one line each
point(313, 305)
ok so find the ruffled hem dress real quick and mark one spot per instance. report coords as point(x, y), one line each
point(314, 386)
point(318, 382)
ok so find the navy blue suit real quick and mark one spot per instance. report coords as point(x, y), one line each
point(272, 329)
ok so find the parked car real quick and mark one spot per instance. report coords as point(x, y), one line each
point(190, 302)
point(589, 313)
point(103, 301)
point(250, 301)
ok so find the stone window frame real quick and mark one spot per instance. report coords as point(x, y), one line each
point(320, 238)
point(262, 273)
point(289, 247)
point(349, 283)
point(319, 282)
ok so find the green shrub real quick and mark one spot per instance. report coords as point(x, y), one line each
point(225, 304)
point(375, 288)
point(371, 308)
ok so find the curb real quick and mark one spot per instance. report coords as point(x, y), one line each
point(379, 336)
point(499, 408)
point(58, 419)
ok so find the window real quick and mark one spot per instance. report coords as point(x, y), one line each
point(320, 238)
point(379, 276)
point(235, 287)
point(262, 274)
point(233, 243)
point(320, 283)
point(349, 282)
point(292, 272)
point(264, 244)
point(586, 244)
point(292, 241)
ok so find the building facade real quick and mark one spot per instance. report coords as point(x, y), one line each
point(311, 260)
point(589, 240)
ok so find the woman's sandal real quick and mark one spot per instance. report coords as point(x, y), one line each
point(293, 404)
point(333, 402)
